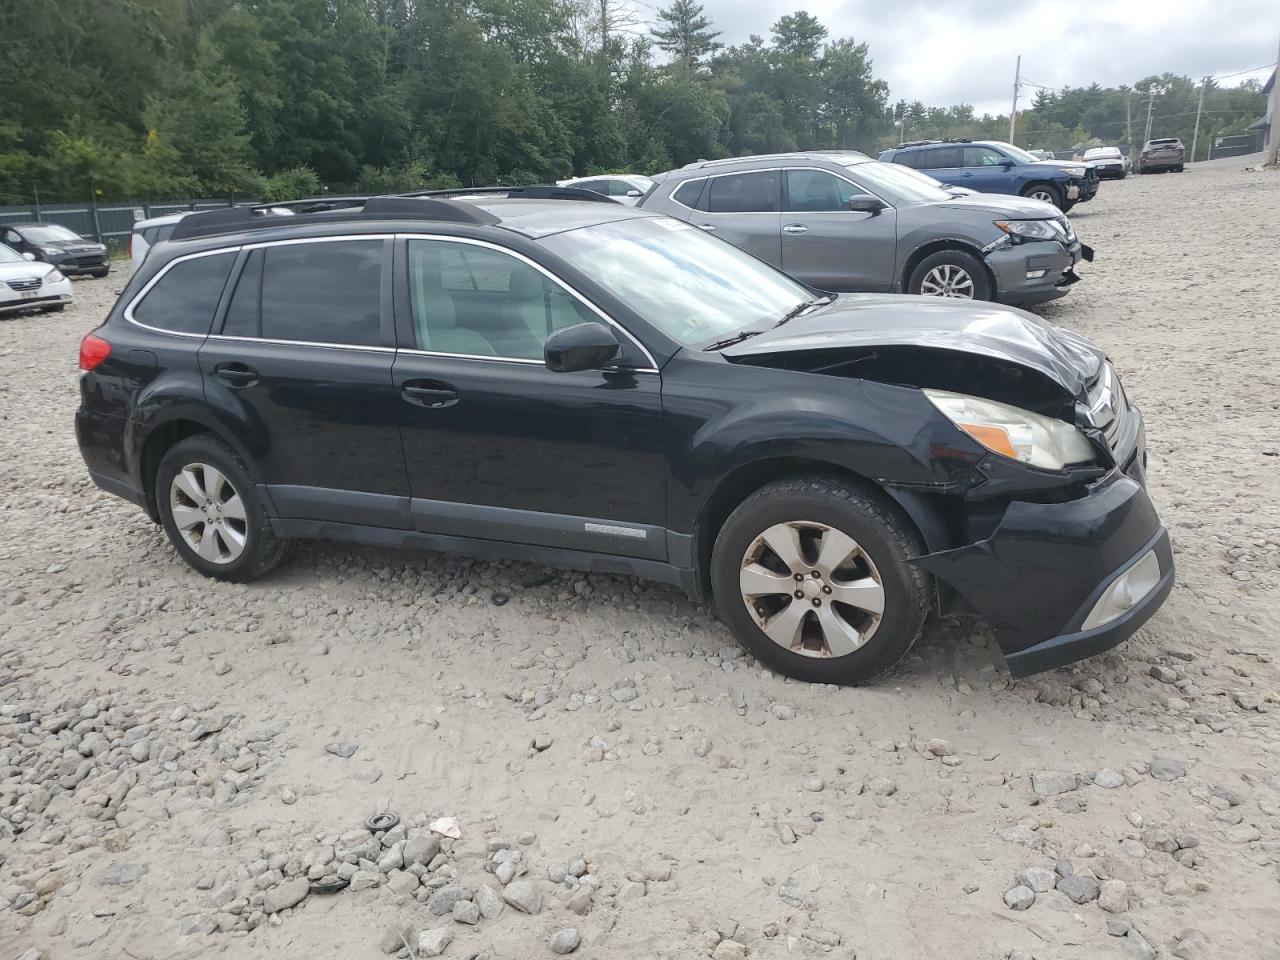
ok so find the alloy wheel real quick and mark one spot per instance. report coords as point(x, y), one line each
point(208, 513)
point(1042, 195)
point(947, 280)
point(812, 589)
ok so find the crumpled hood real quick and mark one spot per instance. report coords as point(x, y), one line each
point(862, 320)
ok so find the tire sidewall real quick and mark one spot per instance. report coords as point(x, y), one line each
point(1050, 188)
point(982, 286)
point(215, 454)
point(889, 550)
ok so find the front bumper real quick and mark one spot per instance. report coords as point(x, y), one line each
point(75, 264)
point(1035, 272)
point(1046, 567)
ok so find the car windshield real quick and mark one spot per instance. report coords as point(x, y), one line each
point(48, 233)
point(10, 255)
point(895, 183)
point(694, 288)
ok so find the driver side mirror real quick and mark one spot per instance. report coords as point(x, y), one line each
point(587, 346)
point(865, 203)
point(1006, 162)
point(28, 255)
point(633, 192)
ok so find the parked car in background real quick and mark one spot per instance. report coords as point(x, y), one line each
point(55, 244)
point(147, 233)
point(1110, 163)
point(1165, 154)
point(28, 284)
point(843, 222)
point(589, 385)
point(991, 166)
point(1042, 154)
point(626, 188)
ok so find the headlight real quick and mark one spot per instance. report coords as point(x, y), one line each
point(53, 276)
point(50, 251)
point(1028, 229)
point(1074, 172)
point(1013, 432)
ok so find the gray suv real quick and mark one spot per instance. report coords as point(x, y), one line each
point(841, 221)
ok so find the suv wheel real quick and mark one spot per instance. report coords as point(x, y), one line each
point(950, 273)
point(210, 509)
point(812, 576)
point(1044, 192)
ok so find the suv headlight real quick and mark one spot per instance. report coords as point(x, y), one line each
point(1013, 432)
point(1028, 229)
point(1075, 172)
point(53, 276)
point(50, 251)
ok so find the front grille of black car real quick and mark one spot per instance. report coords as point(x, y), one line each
point(92, 260)
point(1108, 409)
point(26, 283)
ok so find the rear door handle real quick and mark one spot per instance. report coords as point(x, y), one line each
point(429, 393)
point(236, 374)
point(709, 227)
point(795, 228)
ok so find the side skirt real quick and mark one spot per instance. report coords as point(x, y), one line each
point(684, 578)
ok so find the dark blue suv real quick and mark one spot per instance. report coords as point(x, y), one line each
point(991, 166)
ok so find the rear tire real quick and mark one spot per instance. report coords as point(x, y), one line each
point(1046, 192)
point(99, 274)
point(856, 542)
point(209, 506)
point(956, 270)
point(58, 308)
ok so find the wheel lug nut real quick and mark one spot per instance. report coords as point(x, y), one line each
point(817, 602)
point(826, 589)
point(799, 577)
point(799, 594)
point(816, 575)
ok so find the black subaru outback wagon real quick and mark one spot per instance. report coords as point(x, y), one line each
point(590, 385)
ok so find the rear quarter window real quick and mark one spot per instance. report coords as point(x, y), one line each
point(692, 194)
point(186, 296)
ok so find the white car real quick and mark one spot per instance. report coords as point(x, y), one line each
point(626, 188)
point(28, 284)
point(147, 233)
point(1109, 162)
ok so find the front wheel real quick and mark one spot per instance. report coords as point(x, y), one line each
point(956, 274)
point(210, 509)
point(812, 576)
point(99, 274)
point(1045, 193)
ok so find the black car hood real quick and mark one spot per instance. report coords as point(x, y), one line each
point(858, 321)
point(73, 246)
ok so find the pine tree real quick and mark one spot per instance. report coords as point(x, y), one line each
point(687, 36)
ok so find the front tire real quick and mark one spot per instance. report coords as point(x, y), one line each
point(811, 575)
point(210, 509)
point(99, 274)
point(57, 308)
point(956, 274)
point(1046, 193)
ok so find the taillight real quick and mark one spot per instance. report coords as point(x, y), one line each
point(93, 350)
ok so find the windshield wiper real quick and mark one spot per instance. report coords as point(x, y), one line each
point(800, 308)
point(730, 341)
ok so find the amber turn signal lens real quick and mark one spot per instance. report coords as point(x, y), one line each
point(993, 438)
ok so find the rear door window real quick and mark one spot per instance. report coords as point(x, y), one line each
point(936, 158)
point(323, 292)
point(755, 192)
point(186, 296)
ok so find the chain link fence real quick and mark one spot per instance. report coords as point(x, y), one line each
point(109, 224)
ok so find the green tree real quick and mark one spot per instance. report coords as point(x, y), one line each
point(685, 33)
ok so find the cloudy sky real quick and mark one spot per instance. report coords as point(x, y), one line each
point(952, 51)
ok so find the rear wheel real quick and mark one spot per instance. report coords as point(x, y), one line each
point(210, 509)
point(956, 274)
point(1044, 192)
point(56, 308)
point(812, 576)
point(99, 274)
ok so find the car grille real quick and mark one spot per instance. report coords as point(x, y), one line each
point(1108, 409)
point(1065, 228)
point(91, 260)
point(25, 283)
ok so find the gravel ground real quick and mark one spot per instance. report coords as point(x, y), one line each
point(179, 757)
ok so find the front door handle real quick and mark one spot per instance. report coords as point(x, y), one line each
point(429, 393)
point(236, 374)
point(795, 228)
point(709, 227)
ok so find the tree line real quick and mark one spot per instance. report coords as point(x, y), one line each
point(283, 98)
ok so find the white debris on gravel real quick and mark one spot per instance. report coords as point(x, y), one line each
point(615, 767)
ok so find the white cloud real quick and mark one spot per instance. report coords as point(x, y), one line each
point(964, 50)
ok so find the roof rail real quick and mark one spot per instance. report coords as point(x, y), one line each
point(536, 191)
point(925, 143)
point(328, 210)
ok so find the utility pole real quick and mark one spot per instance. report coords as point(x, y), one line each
point(1151, 99)
point(1128, 120)
point(1274, 130)
point(1196, 136)
point(1013, 114)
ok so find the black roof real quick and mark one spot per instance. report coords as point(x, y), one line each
point(440, 206)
